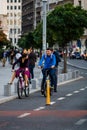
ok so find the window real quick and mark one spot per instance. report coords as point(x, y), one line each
point(15, 14)
point(7, 7)
point(7, 22)
point(15, 22)
point(15, 1)
point(15, 31)
point(11, 22)
point(15, 7)
point(19, 22)
point(11, 14)
point(80, 3)
point(11, 30)
point(7, 1)
point(19, 1)
point(19, 31)
point(11, 7)
point(19, 14)
point(15, 40)
point(11, 39)
point(19, 7)
point(11, 1)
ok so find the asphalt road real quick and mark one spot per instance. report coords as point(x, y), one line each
point(68, 109)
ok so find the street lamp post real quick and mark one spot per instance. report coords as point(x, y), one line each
point(44, 24)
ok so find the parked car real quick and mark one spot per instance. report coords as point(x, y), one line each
point(75, 55)
point(85, 56)
point(72, 55)
point(78, 55)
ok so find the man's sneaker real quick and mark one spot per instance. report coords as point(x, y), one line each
point(42, 92)
point(55, 90)
point(52, 88)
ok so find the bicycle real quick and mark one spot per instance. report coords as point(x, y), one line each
point(21, 86)
point(47, 83)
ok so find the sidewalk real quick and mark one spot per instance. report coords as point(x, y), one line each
point(5, 75)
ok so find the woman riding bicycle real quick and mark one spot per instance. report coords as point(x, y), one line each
point(23, 63)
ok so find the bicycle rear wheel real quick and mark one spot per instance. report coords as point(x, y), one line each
point(27, 91)
point(19, 89)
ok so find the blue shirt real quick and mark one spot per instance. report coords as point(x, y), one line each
point(48, 61)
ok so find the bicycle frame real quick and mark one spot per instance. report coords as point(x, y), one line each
point(44, 85)
point(21, 86)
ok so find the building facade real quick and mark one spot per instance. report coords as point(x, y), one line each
point(28, 12)
point(14, 15)
point(12, 9)
point(3, 17)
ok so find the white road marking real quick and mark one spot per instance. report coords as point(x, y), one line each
point(86, 87)
point(81, 121)
point(69, 94)
point(76, 92)
point(52, 103)
point(82, 89)
point(24, 115)
point(61, 98)
point(39, 108)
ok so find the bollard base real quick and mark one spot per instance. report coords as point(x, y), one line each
point(48, 104)
point(7, 90)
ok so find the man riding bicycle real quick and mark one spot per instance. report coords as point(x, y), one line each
point(49, 61)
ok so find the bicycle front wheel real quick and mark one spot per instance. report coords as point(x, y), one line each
point(19, 89)
point(45, 90)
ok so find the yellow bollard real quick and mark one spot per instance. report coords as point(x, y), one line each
point(48, 93)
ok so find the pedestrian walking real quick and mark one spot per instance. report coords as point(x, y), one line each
point(4, 58)
point(58, 59)
point(32, 60)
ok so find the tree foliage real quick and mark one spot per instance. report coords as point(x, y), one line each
point(27, 41)
point(3, 39)
point(37, 33)
point(67, 23)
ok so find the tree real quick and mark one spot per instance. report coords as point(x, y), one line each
point(37, 34)
point(27, 41)
point(67, 23)
point(64, 24)
point(3, 40)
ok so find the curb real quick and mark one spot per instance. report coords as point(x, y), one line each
point(77, 66)
point(9, 98)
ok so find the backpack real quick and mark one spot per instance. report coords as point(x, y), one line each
point(58, 59)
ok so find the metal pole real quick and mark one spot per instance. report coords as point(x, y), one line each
point(44, 24)
point(35, 15)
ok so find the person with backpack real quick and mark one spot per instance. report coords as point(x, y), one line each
point(47, 61)
point(58, 59)
point(32, 60)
